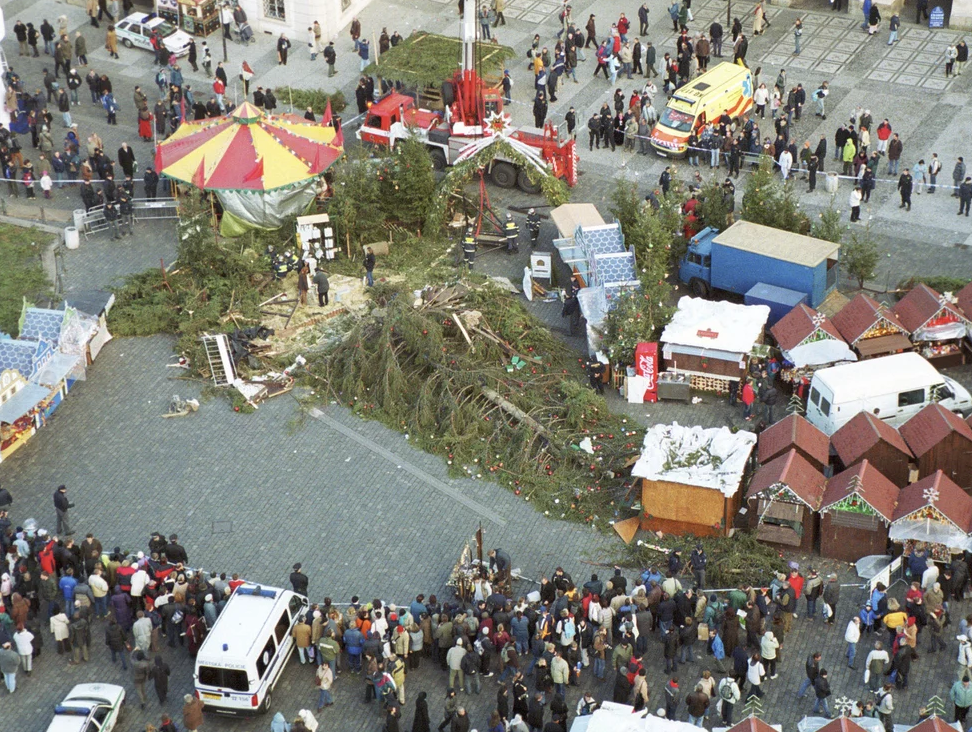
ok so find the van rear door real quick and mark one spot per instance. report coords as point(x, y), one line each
point(819, 408)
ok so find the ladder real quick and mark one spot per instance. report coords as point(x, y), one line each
point(220, 362)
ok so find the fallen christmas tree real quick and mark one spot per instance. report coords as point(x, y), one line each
point(472, 376)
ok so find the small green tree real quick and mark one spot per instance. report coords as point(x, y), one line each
point(828, 225)
point(713, 209)
point(355, 206)
point(769, 202)
point(861, 256)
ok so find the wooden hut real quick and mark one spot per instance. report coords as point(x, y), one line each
point(866, 437)
point(964, 300)
point(795, 432)
point(937, 326)
point(934, 512)
point(855, 513)
point(843, 724)
point(691, 478)
point(753, 723)
point(935, 723)
point(940, 440)
point(808, 341)
point(871, 329)
point(783, 499)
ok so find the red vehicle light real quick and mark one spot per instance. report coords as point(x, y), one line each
point(254, 701)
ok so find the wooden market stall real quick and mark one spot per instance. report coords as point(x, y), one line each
point(938, 327)
point(871, 329)
point(964, 300)
point(940, 440)
point(795, 432)
point(933, 512)
point(866, 437)
point(691, 478)
point(21, 404)
point(711, 341)
point(199, 17)
point(855, 513)
point(783, 500)
point(808, 340)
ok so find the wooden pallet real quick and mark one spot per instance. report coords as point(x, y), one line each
point(717, 384)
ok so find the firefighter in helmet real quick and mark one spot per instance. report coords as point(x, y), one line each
point(512, 232)
point(469, 247)
point(533, 225)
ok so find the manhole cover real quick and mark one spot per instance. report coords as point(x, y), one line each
point(222, 527)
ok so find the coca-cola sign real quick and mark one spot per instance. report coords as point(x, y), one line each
point(646, 365)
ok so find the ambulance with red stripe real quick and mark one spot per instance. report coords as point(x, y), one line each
point(725, 88)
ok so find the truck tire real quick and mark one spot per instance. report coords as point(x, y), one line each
point(700, 288)
point(438, 158)
point(524, 183)
point(448, 93)
point(503, 175)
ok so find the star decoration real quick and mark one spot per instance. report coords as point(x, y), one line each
point(844, 706)
point(499, 123)
point(818, 320)
point(930, 494)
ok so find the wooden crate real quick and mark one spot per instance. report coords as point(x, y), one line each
point(716, 384)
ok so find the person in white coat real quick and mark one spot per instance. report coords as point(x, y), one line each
point(855, 204)
point(786, 162)
point(24, 643)
point(852, 635)
point(59, 627)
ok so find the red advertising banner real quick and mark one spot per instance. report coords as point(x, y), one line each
point(646, 364)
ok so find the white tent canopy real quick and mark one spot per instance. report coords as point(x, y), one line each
point(611, 717)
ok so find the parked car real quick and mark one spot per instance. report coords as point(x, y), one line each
point(89, 708)
point(135, 31)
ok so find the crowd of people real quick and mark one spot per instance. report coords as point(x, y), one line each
point(535, 647)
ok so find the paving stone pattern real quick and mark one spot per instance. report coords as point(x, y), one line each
point(917, 59)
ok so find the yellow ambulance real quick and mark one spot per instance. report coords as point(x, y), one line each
point(726, 88)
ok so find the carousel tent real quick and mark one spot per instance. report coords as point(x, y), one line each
point(263, 168)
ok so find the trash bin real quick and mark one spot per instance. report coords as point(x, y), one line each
point(71, 238)
point(79, 218)
point(831, 182)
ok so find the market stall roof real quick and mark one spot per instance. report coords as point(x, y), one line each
point(612, 717)
point(964, 299)
point(569, 216)
point(862, 433)
point(939, 492)
point(863, 313)
point(930, 426)
point(20, 355)
point(426, 59)
point(41, 324)
point(793, 431)
point(59, 367)
point(777, 244)
point(22, 402)
point(248, 150)
point(793, 471)
point(921, 305)
point(936, 724)
point(753, 724)
point(708, 458)
point(868, 483)
point(820, 353)
point(801, 323)
point(841, 724)
point(716, 325)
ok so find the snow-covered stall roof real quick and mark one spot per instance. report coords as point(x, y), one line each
point(612, 717)
point(708, 458)
point(819, 353)
point(715, 325)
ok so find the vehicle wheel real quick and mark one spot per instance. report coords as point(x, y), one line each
point(699, 287)
point(525, 184)
point(267, 701)
point(438, 158)
point(503, 175)
point(126, 43)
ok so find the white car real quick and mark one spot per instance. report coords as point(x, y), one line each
point(136, 31)
point(89, 708)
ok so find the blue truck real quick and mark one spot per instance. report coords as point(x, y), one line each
point(766, 266)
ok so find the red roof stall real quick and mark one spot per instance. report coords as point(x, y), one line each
point(933, 512)
point(940, 440)
point(871, 329)
point(964, 299)
point(809, 341)
point(795, 432)
point(937, 326)
point(867, 437)
point(855, 512)
point(783, 499)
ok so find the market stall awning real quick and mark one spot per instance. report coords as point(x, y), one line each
point(61, 366)
point(883, 344)
point(22, 402)
point(930, 532)
point(820, 353)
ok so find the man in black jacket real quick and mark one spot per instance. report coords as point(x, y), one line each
point(813, 671)
point(822, 689)
point(175, 552)
point(61, 507)
point(299, 580)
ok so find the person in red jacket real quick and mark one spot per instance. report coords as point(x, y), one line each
point(883, 135)
point(623, 25)
point(796, 582)
point(748, 397)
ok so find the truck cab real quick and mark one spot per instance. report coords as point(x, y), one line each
point(695, 269)
point(387, 119)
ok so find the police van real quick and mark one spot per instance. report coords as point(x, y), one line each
point(244, 654)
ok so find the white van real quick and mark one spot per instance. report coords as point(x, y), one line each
point(893, 388)
point(244, 654)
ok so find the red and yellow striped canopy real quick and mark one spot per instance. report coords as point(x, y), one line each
point(248, 150)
